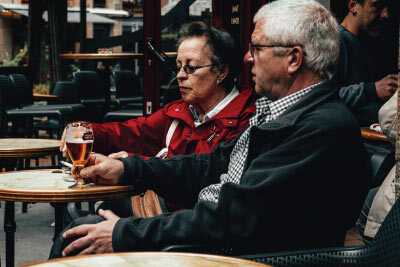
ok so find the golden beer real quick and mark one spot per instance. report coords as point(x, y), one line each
point(79, 142)
point(79, 151)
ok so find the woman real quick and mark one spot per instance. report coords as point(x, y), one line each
point(211, 110)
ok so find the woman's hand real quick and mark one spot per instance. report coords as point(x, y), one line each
point(63, 145)
point(101, 169)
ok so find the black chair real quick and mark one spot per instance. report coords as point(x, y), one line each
point(67, 96)
point(382, 160)
point(122, 115)
point(66, 92)
point(20, 94)
point(127, 89)
point(170, 92)
point(93, 94)
point(129, 97)
point(384, 250)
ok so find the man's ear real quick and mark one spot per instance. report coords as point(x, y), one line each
point(223, 73)
point(295, 59)
point(352, 6)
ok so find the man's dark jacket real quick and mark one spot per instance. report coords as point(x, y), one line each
point(303, 185)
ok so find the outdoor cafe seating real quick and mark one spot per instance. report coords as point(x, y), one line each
point(18, 107)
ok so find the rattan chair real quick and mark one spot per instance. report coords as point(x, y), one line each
point(384, 250)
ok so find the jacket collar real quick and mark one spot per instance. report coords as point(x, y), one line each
point(180, 109)
point(321, 93)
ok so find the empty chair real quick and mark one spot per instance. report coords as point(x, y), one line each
point(129, 97)
point(92, 94)
point(19, 107)
point(122, 115)
point(66, 92)
point(128, 89)
point(5, 102)
point(67, 96)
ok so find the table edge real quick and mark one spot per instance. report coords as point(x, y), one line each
point(150, 253)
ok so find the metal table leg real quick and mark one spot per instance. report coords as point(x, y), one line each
point(9, 229)
point(59, 218)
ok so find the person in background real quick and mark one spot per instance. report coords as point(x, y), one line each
point(380, 199)
point(365, 87)
point(212, 110)
point(294, 179)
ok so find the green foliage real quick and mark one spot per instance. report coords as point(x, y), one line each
point(7, 62)
point(41, 88)
point(73, 69)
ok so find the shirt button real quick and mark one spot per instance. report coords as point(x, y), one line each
point(177, 109)
point(230, 122)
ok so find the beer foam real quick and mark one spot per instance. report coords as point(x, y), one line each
point(78, 141)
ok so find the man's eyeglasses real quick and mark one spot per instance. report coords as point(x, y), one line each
point(257, 47)
point(189, 69)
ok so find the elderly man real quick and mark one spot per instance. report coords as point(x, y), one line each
point(295, 178)
point(367, 84)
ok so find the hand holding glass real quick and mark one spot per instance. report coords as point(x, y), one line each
point(79, 141)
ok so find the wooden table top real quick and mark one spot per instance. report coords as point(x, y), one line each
point(101, 56)
point(44, 97)
point(150, 259)
point(27, 147)
point(104, 56)
point(367, 133)
point(50, 186)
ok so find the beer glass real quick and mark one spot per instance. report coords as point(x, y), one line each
point(79, 141)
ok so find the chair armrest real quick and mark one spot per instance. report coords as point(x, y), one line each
point(334, 256)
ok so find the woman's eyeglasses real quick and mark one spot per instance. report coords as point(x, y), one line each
point(189, 69)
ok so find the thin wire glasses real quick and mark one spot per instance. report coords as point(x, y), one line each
point(253, 47)
point(189, 69)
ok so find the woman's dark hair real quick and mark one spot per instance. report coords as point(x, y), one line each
point(224, 50)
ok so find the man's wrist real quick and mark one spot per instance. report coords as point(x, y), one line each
point(124, 179)
point(370, 90)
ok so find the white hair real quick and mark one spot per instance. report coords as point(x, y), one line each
point(305, 23)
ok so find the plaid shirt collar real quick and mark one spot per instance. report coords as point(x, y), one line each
point(270, 110)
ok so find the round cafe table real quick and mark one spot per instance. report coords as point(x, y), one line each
point(27, 147)
point(150, 259)
point(46, 186)
point(367, 133)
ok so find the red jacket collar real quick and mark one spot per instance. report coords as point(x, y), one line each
point(179, 109)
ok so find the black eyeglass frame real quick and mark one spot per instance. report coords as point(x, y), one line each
point(190, 69)
point(253, 46)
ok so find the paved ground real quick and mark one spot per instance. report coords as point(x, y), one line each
point(33, 237)
point(34, 234)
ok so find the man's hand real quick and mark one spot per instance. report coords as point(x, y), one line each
point(386, 87)
point(95, 238)
point(63, 145)
point(121, 154)
point(101, 170)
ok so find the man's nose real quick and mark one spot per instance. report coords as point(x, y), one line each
point(248, 58)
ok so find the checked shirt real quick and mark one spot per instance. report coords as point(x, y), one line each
point(266, 111)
